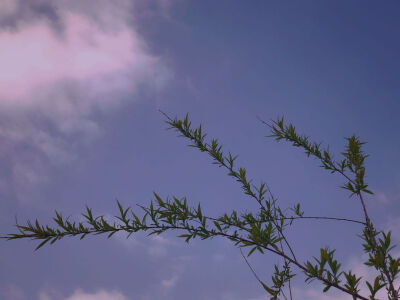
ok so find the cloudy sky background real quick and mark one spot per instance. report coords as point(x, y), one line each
point(80, 89)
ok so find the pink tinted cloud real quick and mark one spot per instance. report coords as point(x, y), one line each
point(13, 292)
point(81, 295)
point(36, 56)
point(59, 78)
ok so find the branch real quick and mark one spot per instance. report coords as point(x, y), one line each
point(353, 162)
point(178, 221)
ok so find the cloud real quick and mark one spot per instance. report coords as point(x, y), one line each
point(317, 294)
point(233, 296)
point(99, 49)
point(35, 57)
point(177, 269)
point(155, 245)
point(218, 257)
point(385, 198)
point(169, 283)
point(381, 197)
point(81, 295)
point(160, 288)
point(159, 246)
point(393, 225)
point(62, 63)
point(8, 7)
point(13, 292)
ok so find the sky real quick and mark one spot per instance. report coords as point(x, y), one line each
point(81, 86)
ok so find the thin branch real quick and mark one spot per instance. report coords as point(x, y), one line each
point(280, 242)
point(278, 227)
point(250, 267)
point(310, 217)
point(328, 218)
point(232, 237)
point(332, 165)
point(290, 290)
point(392, 289)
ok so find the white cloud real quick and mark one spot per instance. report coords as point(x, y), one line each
point(381, 197)
point(155, 245)
point(393, 225)
point(100, 49)
point(177, 269)
point(233, 296)
point(54, 78)
point(317, 294)
point(34, 57)
point(81, 295)
point(384, 197)
point(158, 246)
point(169, 283)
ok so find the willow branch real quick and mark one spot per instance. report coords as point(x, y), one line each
point(232, 237)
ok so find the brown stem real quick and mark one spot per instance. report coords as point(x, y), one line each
point(284, 238)
point(392, 289)
point(250, 267)
point(311, 217)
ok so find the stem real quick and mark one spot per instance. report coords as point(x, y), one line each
point(385, 271)
point(368, 223)
point(250, 267)
point(284, 238)
point(329, 218)
point(392, 291)
point(310, 217)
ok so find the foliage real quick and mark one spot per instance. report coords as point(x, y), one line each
point(263, 231)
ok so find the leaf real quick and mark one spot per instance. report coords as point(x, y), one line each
point(326, 288)
point(251, 251)
point(268, 289)
point(186, 236)
point(159, 200)
point(43, 243)
point(368, 191)
point(217, 225)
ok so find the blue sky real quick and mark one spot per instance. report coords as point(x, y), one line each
point(81, 86)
